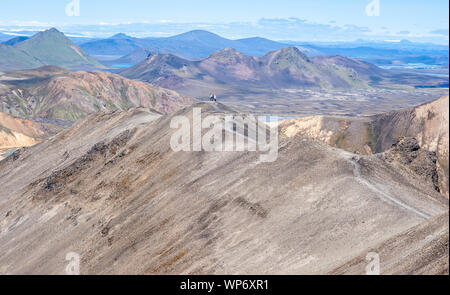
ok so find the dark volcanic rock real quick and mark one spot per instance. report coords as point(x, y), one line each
point(407, 152)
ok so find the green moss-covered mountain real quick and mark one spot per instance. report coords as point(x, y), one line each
point(12, 58)
point(49, 47)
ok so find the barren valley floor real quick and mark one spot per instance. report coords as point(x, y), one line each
point(301, 103)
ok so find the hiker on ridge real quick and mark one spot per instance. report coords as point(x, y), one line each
point(212, 97)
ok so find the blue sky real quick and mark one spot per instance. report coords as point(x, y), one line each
point(303, 20)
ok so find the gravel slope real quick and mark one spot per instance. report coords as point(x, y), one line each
point(111, 189)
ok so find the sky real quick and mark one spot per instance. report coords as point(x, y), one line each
point(299, 20)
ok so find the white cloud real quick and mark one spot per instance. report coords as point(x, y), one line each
point(295, 29)
point(443, 32)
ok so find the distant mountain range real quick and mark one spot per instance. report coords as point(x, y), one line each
point(5, 37)
point(126, 51)
point(190, 45)
point(200, 44)
point(133, 58)
point(285, 68)
point(383, 55)
point(49, 47)
point(15, 40)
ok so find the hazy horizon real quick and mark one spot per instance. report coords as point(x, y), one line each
point(319, 21)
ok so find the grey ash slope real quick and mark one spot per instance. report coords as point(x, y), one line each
point(422, 250)
point(111, 189)
point(428, 124)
